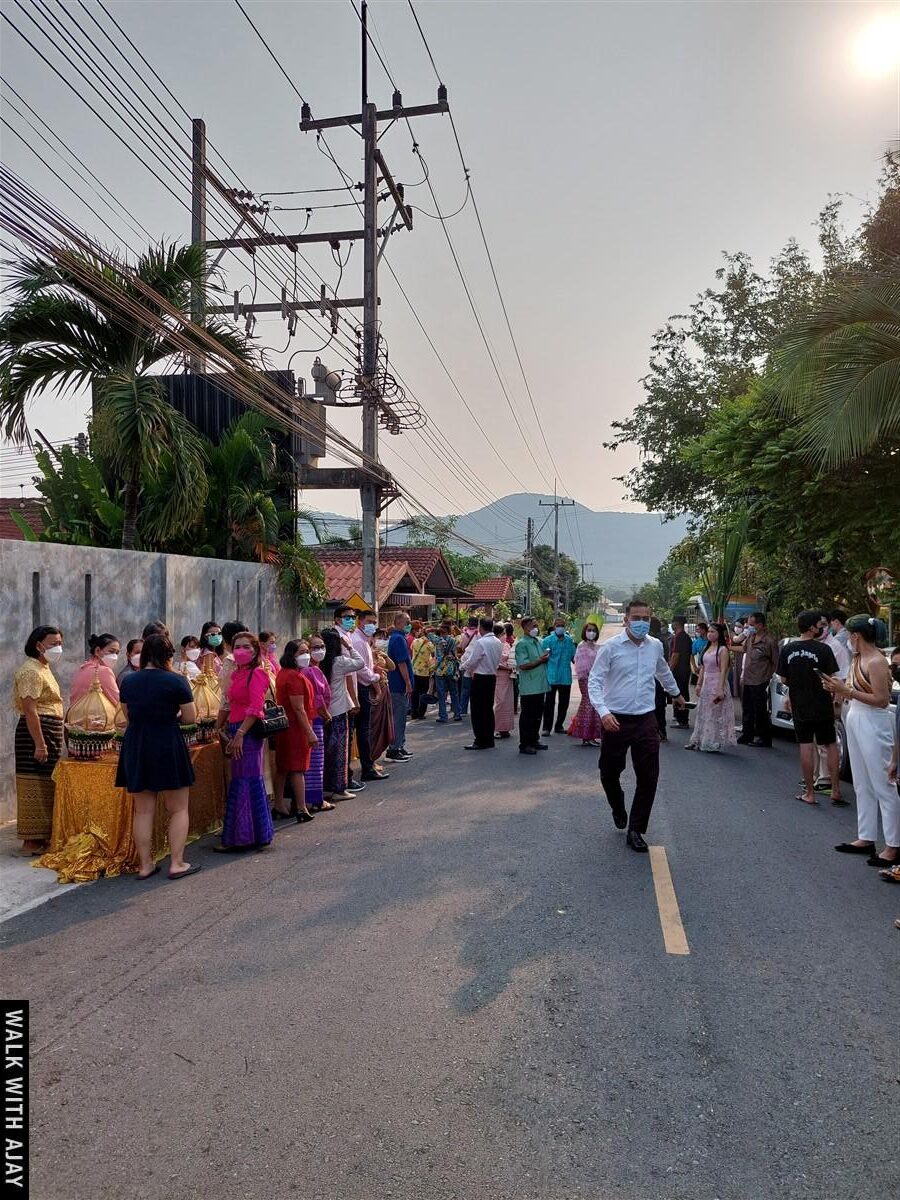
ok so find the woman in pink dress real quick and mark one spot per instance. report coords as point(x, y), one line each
point(586, 722)
point(714, 723)
point(504, 696)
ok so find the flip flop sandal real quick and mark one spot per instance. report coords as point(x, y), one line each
point(192, 870)
point(143, 878)
point(890, 876)
point(803, 800)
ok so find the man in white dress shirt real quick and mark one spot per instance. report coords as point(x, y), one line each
point(622, 688)
point(481, 660)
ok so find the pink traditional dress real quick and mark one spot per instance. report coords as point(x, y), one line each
point(586, 722)
point(85, 676)
point(714, 723)
point(504, 696)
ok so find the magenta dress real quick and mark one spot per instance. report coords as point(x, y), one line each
point(321, 699)
point(248, 821)
point(713, 723)
point(586, 722)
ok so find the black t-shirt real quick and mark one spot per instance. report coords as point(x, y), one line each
point(681, 645)
point(798, 663)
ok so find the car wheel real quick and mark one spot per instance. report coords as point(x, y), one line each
point(843, 753)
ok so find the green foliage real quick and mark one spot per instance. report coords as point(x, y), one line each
point(300, 576)
point(58, 333)
point(434, 532)
point(469, 569)
point(815, 473)
point(77, 508)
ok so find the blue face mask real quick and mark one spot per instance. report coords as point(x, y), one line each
point(560, 631)
point(215, 639)
point(407, 629)
point(639, 629)
point(348, 623)
point(369, 629)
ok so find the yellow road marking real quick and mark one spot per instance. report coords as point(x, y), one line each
point(667, 903)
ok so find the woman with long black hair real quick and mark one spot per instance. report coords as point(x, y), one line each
point(714, 724)
point(339, 662)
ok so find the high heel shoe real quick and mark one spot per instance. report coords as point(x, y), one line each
point(302, 817)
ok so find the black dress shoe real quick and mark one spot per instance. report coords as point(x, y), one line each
point(849, 848)
point(636, 842)
point(542, 746)
point(745, 741)
point(479, 746)
point(371, 776)
point(620, 818)
point(527, 750)
point(759, 744)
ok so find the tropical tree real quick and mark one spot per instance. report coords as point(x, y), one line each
point(838, 371)
point(76, 507)
point(63, 332)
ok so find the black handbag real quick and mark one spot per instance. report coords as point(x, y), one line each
point(274, 720)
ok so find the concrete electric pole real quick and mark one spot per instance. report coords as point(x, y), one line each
point(556, 504)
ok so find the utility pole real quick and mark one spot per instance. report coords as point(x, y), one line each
point(556, 504)
point(374, 404)
point(529, 551)
point(197, 363)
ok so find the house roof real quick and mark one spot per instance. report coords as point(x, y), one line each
point(343, 574)
point(429, 565)
point(499, 588)
point(27, 507)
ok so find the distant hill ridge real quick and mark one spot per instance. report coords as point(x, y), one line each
point(623, 548)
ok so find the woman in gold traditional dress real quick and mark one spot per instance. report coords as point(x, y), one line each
point(39, 736)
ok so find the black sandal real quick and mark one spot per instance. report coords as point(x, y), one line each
point(849, 848)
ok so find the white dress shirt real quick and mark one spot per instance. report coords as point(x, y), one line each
point(840, 652)
point(483, 655)
point(623, 678)
point(363, 647)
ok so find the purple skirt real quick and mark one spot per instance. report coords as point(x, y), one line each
point(248, 821)
point(313, 775)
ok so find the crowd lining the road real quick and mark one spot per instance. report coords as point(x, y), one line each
point(292, 724)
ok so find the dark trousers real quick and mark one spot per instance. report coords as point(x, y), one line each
point(419, 702)
point(684, 686)
point(515, 695)
point(531, 709)
point(465, 691)
point(755, 705)
point(563, 691)
point(481, 702)
point(361, 723)
point(640, 735)
point(661, 710)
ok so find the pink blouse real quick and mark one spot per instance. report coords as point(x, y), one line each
point(84, 677)
point(320, 686)
point(247, 693)
point(584, 658)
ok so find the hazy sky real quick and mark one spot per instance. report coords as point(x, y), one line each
point(616, 149)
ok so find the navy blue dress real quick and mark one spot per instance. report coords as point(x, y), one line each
point(154, 757)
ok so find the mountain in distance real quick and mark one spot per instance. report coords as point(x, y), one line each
point(623, 549)
point(619, 549)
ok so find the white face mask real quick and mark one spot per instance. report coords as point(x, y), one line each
point(135, 661)
point(591, 635)
point(192, 655)
point(52, 652)
point(318, 654)
point(380, 643)
point(535, 632)
point(302, 660)
point(110, 659)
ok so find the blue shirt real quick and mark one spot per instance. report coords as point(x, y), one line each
point(398, 652)
point(698, 647)
point(562, 652)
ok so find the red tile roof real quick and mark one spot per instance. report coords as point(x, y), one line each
point(343, 573)
point(29, 508)
point(489, 590)
point(425, 561)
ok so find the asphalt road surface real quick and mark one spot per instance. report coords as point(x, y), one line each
point(457, 986)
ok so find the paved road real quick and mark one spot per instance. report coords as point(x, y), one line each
point(457, 986)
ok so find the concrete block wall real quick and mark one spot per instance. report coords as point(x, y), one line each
point(87, 590)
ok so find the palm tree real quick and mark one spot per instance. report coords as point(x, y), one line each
point(838, 371)
point(245, 479)
point(61, 333)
